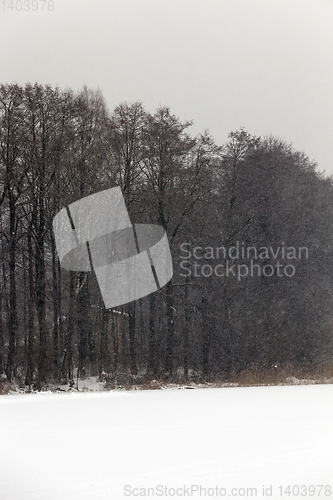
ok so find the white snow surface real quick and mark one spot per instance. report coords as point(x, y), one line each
point(131, 444)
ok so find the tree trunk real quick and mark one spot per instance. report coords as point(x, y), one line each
point(1, 338)
point(55, 283)
point(114, 334)
point(169, 361)
point(142, 349)
point(66, 368)
point(31, 312)
point(124, 343)
point(132, 337)
point(186, 330)
point(152, 344)
point(104, 355)
point(40, 289)
point(83, 324)
point(12, 327)
point(60, 316)
point(205, 337)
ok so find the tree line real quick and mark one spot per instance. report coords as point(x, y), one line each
point(220, 314)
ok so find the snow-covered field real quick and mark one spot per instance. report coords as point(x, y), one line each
point(230, 442)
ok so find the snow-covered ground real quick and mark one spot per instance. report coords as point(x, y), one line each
point(116, 445)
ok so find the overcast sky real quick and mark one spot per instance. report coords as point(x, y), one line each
point(266, 65)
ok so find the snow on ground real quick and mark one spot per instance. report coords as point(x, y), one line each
point(116, 445)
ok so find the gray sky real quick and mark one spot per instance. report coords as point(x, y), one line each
point(266, 65)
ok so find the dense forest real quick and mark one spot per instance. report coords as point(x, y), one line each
point(249, 223)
